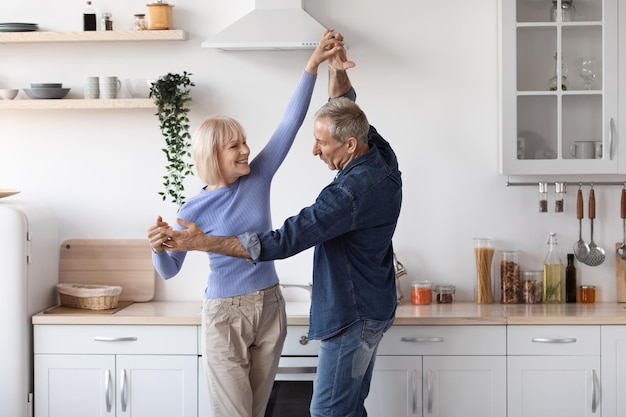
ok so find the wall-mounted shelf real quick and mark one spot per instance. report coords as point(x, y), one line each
point(73, 104)
point(92, 36)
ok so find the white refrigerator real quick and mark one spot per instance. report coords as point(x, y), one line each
point(29, 261)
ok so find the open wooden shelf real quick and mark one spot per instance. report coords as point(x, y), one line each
point(93, 36)
point(73, 104)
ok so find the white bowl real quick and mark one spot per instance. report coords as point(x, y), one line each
point(46, 85)
point(8, 93)
point(139, 87)
point(46, 93)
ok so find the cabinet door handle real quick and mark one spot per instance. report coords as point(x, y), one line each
point(108, 391)
point(611, 137)
point(422, 339)
point(551, 340)
point(594, 391)
point(429, 402)
point(124, 389)
point(115, 339)
point(414, 390)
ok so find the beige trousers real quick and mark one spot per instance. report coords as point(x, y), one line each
point(242, 339)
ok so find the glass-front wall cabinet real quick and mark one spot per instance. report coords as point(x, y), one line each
point(558, 87)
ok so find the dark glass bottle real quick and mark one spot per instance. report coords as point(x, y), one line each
point(89, 18)
point(570, 280)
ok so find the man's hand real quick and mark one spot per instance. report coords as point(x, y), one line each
point(193, 238)
point(339, 61)
point(189, 239)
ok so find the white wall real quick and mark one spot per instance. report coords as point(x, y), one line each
point(426, 75)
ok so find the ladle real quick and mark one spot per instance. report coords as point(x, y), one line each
point(621, 251)
point(596, 254)
point(581, 249)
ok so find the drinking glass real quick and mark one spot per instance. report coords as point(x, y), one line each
point(587, 69)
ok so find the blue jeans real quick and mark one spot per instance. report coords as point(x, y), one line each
point(344, 372)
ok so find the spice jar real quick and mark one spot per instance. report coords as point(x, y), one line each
point(510, 278)
point(532, 292)
point(444, 294)
point(587, 294)
point(559, 190)
point(421, 292)
point(543, 197)
point(140, 22)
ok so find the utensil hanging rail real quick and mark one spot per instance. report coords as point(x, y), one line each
point(580, 183)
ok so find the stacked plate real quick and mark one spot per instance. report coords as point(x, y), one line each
point(44, 91)
point(18, 27)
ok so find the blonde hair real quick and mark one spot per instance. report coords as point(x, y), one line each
point(212, 135)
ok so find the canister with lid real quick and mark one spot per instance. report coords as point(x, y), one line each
point(444, 294)
point(160, 16)
point(421, 292)
point(532, 292)
point(510, 277)
point(587, 294)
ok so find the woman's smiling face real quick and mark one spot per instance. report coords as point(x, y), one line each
point(233, 159)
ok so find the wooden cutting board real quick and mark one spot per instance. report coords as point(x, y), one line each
point(620, 277)
point(123, 262)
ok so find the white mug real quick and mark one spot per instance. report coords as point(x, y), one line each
point(91, 87)
point(599, 150)
point(109, 86)
point(583, 149)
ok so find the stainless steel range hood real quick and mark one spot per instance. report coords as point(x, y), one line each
point(273, 24)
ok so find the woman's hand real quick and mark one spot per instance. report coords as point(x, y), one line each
point(330, 44)
point(158, 235)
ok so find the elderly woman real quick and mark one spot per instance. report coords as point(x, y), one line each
point(243, 314)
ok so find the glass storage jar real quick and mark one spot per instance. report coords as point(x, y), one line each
point(421, 292)
point(139, 23)
point(532, 292)
point(510, 278)
point(444, 294)
point(587, 294)
point(483, 256)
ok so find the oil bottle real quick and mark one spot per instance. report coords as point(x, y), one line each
point(553, 273)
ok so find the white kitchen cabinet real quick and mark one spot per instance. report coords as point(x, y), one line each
point(613, 371)
point(538, 127)
point(134, 371)
point(442, 371)
point(553, 371)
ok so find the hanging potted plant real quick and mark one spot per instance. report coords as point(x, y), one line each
point(171, 93)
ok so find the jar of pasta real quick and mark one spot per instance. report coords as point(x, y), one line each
point(510, 287)
point(421, 292)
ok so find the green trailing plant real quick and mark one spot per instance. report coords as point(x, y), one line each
point(171, 93)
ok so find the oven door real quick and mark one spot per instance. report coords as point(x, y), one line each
point(293, 387)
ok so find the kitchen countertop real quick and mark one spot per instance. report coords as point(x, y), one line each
point(458, 313)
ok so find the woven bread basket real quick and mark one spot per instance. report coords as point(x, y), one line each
point(88, 296)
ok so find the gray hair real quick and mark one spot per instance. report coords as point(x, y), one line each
point(347, 120)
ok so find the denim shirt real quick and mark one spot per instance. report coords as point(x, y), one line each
point(351, 225)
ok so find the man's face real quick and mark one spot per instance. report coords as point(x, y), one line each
point(336, 156)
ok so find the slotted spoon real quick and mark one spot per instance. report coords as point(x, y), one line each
point(581, 249)
point(596, 254)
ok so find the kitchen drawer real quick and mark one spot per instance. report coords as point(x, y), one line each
point(444, 340)
point(553, 340)
point(105, 339)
